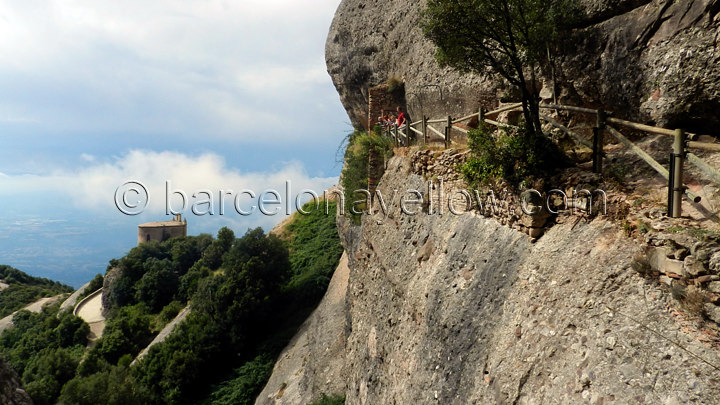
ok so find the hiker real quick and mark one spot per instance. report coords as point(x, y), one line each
point(400, 117)
point(382, 119)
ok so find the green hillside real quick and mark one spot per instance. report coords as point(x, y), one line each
point(24, 289)
point(248, 297)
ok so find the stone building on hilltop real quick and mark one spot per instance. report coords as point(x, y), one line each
point(162, 230)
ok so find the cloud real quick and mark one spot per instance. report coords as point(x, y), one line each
point(218, 68)
point(93, 187)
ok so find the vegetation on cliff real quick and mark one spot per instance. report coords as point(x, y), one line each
point(513, 156)
point(512, 38)
point(248, 297)
point(364, 150)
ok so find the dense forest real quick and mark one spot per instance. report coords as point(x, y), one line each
point(247, 295)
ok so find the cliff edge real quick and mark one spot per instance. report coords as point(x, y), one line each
point(11, 393)
point(652, 61)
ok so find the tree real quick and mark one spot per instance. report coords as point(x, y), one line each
point(510, 37)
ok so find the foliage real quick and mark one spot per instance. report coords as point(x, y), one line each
point(336, 399)
point(152, 271)
point(229, 336)
point(45, 350)
point(110, 387)
point(158, 285)
point(127, 332)
point(314, 253)
point(170, 311)
point(395, 85)
point(228, 314)
point(247, 385)
point(513, 155)
point(354, 175)
point(95, 284)
point(510, 37)
point(24, 289)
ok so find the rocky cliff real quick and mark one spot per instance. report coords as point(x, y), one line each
point(460, 309)
point(654, 61)
point(11, 393)
point(470, 309)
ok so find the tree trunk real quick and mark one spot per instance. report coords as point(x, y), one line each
point(531, 112)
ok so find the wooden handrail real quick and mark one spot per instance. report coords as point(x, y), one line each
point(503, 109)
point(709, 170)
point(643, 155)
point(500, 124)
point(649, 160)
point(436, 131)
point(641, 127)
point(705, 146)
point(415, 130)
point(569, 108)
point(563, 128)
point(465, 118)
point(463, 130)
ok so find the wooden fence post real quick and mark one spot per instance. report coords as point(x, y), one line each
point(675, 186)
point(598, 135)
point(424, 130)
point(396, 135)
point(448, 129)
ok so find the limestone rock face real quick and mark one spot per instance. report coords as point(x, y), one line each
point(312, 363)
point(652, 61)
point(460, 309)
point(11, 393)
point(489, 317)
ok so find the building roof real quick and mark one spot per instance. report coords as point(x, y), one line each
point(161, 224)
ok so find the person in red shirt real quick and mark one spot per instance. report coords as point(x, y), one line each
point(400, 117)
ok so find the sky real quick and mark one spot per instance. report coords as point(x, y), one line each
point(201, 97)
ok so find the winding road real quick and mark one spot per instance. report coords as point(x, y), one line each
point(90, 310)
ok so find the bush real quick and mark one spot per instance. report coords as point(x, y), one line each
point(336, 399)
point(354, 175)
point(170, 311)
point(315, 250)
point(395, 86)
point(95, 284)
point(127, 332)
point(247, 385)
point(24, 289)
point(514, 156)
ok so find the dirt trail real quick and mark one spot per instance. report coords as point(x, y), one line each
point(37, 306)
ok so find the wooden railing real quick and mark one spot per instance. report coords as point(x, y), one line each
point(683, 141)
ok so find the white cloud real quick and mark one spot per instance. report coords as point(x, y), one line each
point(162, 66)
point(94, 185)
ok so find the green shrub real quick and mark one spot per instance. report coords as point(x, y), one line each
point(315, 250)
point(247, 385)
point(25, 289)
point(170, 311)
point(354, 175)
point(395, 85)
point(513, 155)
point(95, 284)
